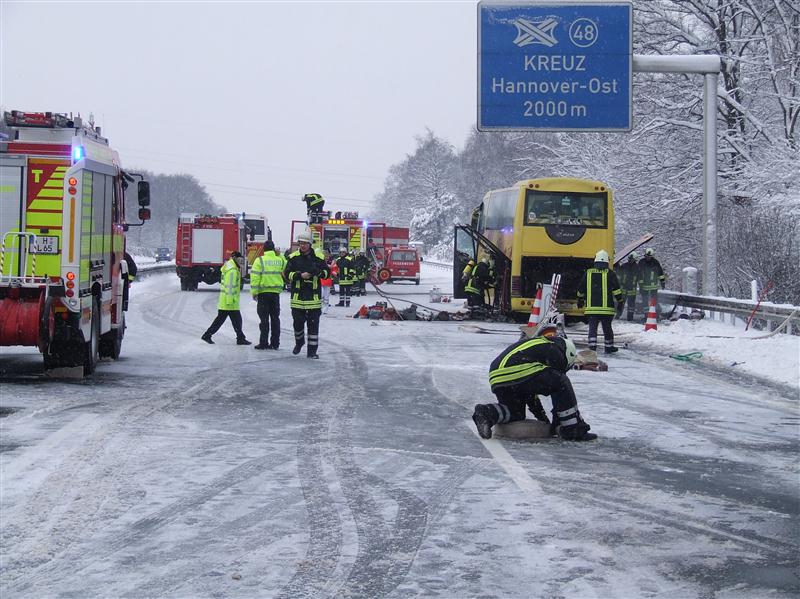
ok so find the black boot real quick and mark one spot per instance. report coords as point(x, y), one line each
point(297, 347)
point(243, 341)
point(207, 338)
point(576, 432)
point(611, 349)
point(483, 421)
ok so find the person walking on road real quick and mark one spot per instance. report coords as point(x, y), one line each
point(230, 287)
point(651, 276)
point(266, 284)
point(600, 293)
point(303, 271)
point(522, 372)
point(628, 275)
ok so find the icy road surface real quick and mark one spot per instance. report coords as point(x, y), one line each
point(191, 470)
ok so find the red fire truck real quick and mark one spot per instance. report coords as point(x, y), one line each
point(63, 274)
point(203, 245)
point(401, 264)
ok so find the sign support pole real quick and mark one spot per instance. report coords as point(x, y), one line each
point(709, 65)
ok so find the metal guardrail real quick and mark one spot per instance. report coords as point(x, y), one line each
point(146, 270)
point(443, 265)
point(772, 314)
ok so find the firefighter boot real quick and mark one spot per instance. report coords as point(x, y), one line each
point(207, 338)
point(484, 418)
point(576, 432)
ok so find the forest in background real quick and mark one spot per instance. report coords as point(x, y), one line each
point(656, 169)
point(170, 196)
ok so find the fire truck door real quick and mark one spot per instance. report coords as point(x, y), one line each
point(11, 211)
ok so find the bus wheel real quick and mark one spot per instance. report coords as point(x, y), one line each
point(92, 346)
point(111, 342)
point(384, 275)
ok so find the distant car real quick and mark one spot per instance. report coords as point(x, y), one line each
point(163, 255)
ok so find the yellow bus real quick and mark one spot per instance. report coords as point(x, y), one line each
point(532, 230)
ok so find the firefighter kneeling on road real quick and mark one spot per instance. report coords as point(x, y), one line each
point(303, 271)
point(521, 373)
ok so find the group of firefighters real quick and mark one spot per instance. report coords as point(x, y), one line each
point(522, 372)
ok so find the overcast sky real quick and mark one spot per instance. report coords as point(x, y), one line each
point(262, 102)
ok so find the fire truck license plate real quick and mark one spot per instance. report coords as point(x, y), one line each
point(45, 245)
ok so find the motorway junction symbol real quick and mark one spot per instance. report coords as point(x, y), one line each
point(555, 66)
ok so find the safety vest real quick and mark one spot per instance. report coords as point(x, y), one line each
point(266, 276)
point(305, 293)
point(628, 275)
point(650, 274)
point(346, 270)
point(513, 367)
point(230, 285)
point(477, 279)
point(601, 290)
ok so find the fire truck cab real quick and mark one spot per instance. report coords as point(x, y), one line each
point(63, 272)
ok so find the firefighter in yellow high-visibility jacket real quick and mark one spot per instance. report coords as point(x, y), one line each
point(230, 286)
point(266, 284)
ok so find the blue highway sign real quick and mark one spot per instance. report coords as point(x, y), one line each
point(555, 66)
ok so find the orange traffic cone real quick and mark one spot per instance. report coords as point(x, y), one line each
point(652, 317)
point(536, 309)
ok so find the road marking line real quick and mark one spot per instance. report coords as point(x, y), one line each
point(513, 468)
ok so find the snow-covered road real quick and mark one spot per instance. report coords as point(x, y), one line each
point(189, 470)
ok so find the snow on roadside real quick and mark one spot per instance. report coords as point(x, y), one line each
point(776, 358)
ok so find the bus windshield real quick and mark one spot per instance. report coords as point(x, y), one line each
point(566, 208)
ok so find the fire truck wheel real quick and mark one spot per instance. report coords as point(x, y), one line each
point(111, 342)
point(384, 275)
point(92, 345)
point(184, 285)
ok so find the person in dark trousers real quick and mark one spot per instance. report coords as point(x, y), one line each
point(651, 276)
point(601, 294)
point(628, 275)
point(522, 372)
point(130, 277)
point(230, 286)
point(314, 205)
point(346, 277)
point(303, 271)
point(266, 284)
point(361, 264)
point(478, 280)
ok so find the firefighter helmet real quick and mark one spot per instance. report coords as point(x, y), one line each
point(568, 347)
point(305, 237)
point(633, 256)
point(650, 252)
point(601, 256)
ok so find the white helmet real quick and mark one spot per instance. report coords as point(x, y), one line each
point(601, 256)
point(649, 252)
point(570, 352)
point(305, 237)
point(569, 349)
point(633, 256)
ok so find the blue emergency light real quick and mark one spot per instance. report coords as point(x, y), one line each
point(78, 153)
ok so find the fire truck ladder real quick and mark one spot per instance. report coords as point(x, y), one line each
point(26, 242)
point(185, 247)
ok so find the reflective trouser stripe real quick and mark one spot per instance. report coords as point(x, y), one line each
point(503, 413)
point(568, 417)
